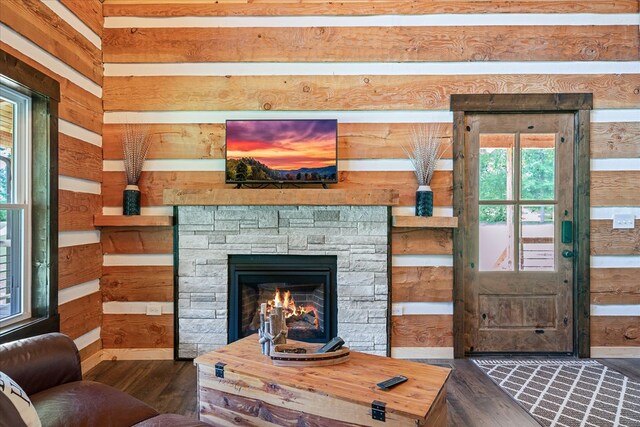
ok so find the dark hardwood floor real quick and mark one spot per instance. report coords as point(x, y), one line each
point(473, 399)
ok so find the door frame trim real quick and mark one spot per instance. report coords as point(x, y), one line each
point(580, 105)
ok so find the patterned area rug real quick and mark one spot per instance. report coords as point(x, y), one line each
point(568, 393)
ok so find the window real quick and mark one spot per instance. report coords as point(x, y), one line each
point(28, 200)
point(15, 206)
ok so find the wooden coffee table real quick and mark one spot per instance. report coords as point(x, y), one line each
point(248, 389)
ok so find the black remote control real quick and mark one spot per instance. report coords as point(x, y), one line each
point(332, 345)
point(392, 382)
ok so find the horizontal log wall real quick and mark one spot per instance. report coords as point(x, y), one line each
point(62, 40)
point(195, 68)
point(154, 8)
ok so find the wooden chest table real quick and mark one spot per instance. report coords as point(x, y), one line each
point(249, 391)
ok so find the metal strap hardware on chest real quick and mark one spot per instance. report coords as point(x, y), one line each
point(378, 410)
point(220, 369)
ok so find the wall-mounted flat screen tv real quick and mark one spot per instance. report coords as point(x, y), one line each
point(281, 151)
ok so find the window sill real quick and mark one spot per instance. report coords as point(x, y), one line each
point(29, 328)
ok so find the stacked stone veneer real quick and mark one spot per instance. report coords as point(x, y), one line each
point(356, 235)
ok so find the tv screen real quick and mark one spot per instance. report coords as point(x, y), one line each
point(281, 151)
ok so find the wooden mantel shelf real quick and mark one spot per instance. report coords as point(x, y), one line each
point(282, 196)
point(132, 220)
point(425, 221)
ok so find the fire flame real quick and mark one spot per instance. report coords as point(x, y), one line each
point(288, 304)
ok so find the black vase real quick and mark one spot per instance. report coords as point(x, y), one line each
point(131, 200)
point(424, 201)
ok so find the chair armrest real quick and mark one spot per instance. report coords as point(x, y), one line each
point(41, 362)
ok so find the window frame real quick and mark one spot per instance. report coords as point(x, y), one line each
point(44, 92)
point(21, 200)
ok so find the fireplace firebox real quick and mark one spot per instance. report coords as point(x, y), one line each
point(305, 285)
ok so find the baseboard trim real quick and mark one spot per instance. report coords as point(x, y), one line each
point(91, 362)
point(137, 354)
point(422, 352)
point(615, 352)
point(125, 354)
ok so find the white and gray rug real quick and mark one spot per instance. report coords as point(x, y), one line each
point(568, 392)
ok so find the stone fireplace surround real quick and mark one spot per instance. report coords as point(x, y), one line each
point(357, 235)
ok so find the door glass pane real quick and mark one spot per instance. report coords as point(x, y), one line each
point(538, 164)
point(6, 150)
point(496, 238)
point(496, 166)
point(537, 249)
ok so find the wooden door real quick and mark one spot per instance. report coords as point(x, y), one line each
point(517, 262)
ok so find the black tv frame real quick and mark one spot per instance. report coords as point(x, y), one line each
point(277, 183)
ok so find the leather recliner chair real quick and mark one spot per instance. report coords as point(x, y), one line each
point(47, 367)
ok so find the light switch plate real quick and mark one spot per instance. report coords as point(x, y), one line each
point(397, 310)
point(154, 310)
point(624, 221)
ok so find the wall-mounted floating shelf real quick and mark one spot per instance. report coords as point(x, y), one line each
point(132, 220)
point(425, 221)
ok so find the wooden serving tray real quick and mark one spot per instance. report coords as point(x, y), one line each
point(279, 357)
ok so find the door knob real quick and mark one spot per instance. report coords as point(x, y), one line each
point(567, 253)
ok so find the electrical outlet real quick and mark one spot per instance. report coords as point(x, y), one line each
point(154, 309)
point(397, 310)
point(624, 221)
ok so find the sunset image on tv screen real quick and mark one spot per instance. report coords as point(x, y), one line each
point(281, 150)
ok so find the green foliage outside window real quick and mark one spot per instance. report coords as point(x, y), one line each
point(537, 179)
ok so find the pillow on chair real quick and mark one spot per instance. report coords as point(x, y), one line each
point(15, 403)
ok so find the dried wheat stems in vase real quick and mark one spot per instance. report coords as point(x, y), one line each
point(135, 146)
point(424, 150)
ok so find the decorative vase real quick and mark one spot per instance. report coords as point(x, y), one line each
point(131, 200)
point(424, 201)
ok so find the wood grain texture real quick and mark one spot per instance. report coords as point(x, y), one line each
point(422, 331)
point(79, 159)
point(138, 283)
point(38, 23)
point(615, 188)
point(615, 140)
point(284, 196)
point(228, 409)
point(380, 140)
point(76, 105)
point(277, 8)
point(384, 92)
point(171, 141)
point(89, 12)
point(76, 210)
point(81, 315)
point(90, 350)
point(404, 182)
point(372, 44)
point(79, 264)
point(422, 284)
point(152, 185)
point(206, 141)
point(606, 240)
point(410, 241)
point(137, 331)
point(143, 240)
point(346, 388)
point(615, 331)
point(615, 286)
point(80, 107)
